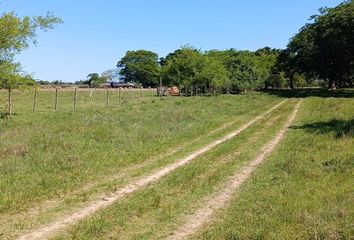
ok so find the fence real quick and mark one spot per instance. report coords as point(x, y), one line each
point(70, 99)
point(75, 99)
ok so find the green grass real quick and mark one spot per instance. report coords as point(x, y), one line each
point(153, 212)
point(306, 189)
point(54, 162)
point(47, 155)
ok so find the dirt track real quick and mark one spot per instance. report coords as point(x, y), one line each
point(221, 198)
point(107, 200)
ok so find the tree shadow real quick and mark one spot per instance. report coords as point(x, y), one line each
point(340, 128)
point(303, 93)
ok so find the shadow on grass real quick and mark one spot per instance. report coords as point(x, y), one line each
point(303, 93)
point(340, 128)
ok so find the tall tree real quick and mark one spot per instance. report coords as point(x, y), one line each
point(189, 66)
point(247, 70)
point(324, 48)
point(140, 67)
point(16, 34)
point(182, 66)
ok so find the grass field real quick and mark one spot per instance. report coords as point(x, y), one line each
point(53, 162)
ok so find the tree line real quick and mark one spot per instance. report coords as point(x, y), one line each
point(322, 52)
point(188, 66)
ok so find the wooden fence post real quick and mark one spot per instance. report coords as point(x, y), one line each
point(119, 93)
point(160, 90)
point(107, 98)
point(91, 98)
point(35, 100)
point(10, 101)
point(75, 98)
point(56, 99)
point(141, 92)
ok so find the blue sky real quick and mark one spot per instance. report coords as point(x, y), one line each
point(97, 33)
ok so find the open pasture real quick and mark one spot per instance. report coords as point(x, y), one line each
point(54, 163)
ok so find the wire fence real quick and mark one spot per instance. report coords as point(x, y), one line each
point(77, 99)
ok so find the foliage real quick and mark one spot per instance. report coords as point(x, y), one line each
point(247, 70)
point(182, 66)
point(110, 75)
point(12, 77)
point(299, 80)
point(140, 67)
point(94, 79)
point(324, 48)
point(16, 34)
point(240, 70)
point(276, 80)
point(213, 73)
point(188, 66)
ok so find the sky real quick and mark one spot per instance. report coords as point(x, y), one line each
point(97, 33)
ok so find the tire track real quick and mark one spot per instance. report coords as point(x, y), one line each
point(203, 215)
point(107, 200)
point(52, 204)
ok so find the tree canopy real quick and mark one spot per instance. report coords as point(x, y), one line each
point(95, 79)
point(247, 70)
point(324, 48)
point(140, 66)
point(16, 34)
point(187, 66)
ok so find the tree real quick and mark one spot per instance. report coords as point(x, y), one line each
point(182, 66)
point(140, 67)
point(277, 80)
point(286, 63)
point(94, 79)
point(247, 70)
point(213, 73)
point(109, 75)
point(16, 34)
point(189, 66)
point(324, 48)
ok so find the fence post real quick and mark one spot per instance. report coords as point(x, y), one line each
point(10, 101)
point(119, 93)
point(107, 97)
point(75, 98)
point(141, 92)
point(91, 98)
point(150, 90)
point(35, 100)
point(56, 99)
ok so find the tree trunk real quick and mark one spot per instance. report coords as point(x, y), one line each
point(291, 82)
